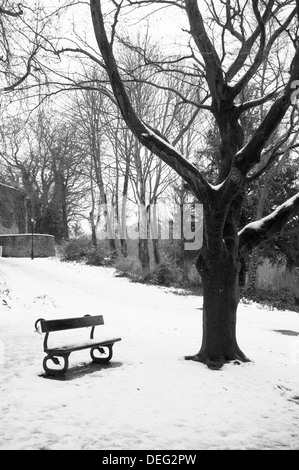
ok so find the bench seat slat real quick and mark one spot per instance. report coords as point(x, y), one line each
point(79, 346)
point(71, 323)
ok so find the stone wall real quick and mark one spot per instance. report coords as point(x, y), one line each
point(20, 246)
point(13, 214)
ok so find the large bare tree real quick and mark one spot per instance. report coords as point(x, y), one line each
point(229, 41)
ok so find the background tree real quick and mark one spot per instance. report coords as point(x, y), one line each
point(89, 114)
point(44, 158)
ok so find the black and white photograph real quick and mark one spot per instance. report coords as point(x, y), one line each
point(149, 227)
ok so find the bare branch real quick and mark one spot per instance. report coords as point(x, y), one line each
point(264, 49)
point(176, 3)
point(186, 128)
point(15, 14)
point(214, 72)
point(248, 44)
point(272, 159)
point(247, 157)
point(81, 51)
point(228, 26)
point(259, 56)
point(198, 105)
point(275, 152)
point(24, 77)
point(116, 16)
point(258, 102)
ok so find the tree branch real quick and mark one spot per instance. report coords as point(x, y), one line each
point(178, 3)
point(249, 156)
point(214, 72)
point(186, 127)
point(81, 51)
point(258, 102)
point(15, 14)
point(229, 21)
point(173, 90)
point(248, 44)
point(24, 77)
point(259, 56)
point(263, 51)
point(146, 136)
point(262, 230)
point(275, 153)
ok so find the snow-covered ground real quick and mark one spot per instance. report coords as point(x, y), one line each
point(149, 397)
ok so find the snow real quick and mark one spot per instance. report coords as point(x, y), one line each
point(82, 344)
point(217, 187)
point(7, 185)
point(155, 136)
point(148, 397)
point(256, 225)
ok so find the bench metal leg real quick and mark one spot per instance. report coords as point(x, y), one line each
point(56, 360)
point(105, 352)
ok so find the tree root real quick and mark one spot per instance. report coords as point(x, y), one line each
point(216, 363)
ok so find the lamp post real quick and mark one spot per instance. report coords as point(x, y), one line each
point(32, 238)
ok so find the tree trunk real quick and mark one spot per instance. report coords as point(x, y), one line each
point(155, 230)
point(143, 245)
point(109, 225)
point(219, 266)
point(124, 247)
point(93, 229)
point(65, 225)
point(122, 225)
point(221, 298)
point(144, 257)
point(122, 213)
point(156, 251)
point(92, 212)
point(181, 245)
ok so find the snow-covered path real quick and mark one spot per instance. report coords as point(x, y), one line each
point(149, 397)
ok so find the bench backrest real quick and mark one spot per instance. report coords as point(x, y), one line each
point(70, 323)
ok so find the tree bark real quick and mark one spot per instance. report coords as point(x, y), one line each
point(144, 257)
point(93, 229)
point(123, 222)
point(124, 247)
point(219, 266)
point(156, 251)
point(220, 278)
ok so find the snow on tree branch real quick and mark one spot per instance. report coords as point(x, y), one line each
point(259, 231)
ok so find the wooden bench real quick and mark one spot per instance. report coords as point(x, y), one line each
point(100, 351)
